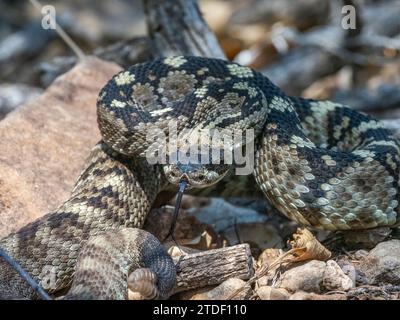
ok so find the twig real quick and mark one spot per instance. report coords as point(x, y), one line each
point(63, 35)
point(16, 266)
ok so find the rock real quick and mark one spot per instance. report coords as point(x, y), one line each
point(361, 278)
point(271, 293)
point(301, 295)
point(224, 290)
point(45, 142)
point(304, 277)
point(335, 279)
point(382, 264)
point(349, 270)
point(264, 281)
point(316, 276)
point(370, 292)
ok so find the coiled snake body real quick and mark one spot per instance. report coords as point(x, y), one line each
point(319, 163)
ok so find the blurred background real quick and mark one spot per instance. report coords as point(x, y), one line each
point(301, 45)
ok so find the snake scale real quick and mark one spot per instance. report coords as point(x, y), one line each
point(319, 163)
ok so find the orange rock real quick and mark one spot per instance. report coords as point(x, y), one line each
point(45, 142)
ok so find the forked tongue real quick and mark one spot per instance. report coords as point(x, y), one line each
point(182, 186)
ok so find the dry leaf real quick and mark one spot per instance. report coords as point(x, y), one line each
point(306, 247)
point(201, 242)
point(176, 251)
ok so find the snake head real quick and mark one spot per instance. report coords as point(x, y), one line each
point(198, 168)
point(196, 175)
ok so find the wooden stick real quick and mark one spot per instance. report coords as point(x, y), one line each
point(24, 275)
point(212, 267)
point(176, 27)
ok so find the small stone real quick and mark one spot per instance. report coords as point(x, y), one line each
point(382, 264)
point(349, 270)
point(271, 293)
point(301, 295)
point(224, 290)
point(305, 277)
point(335, 278)
point(263, 281)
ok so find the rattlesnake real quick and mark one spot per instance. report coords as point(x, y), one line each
point(319, 163)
